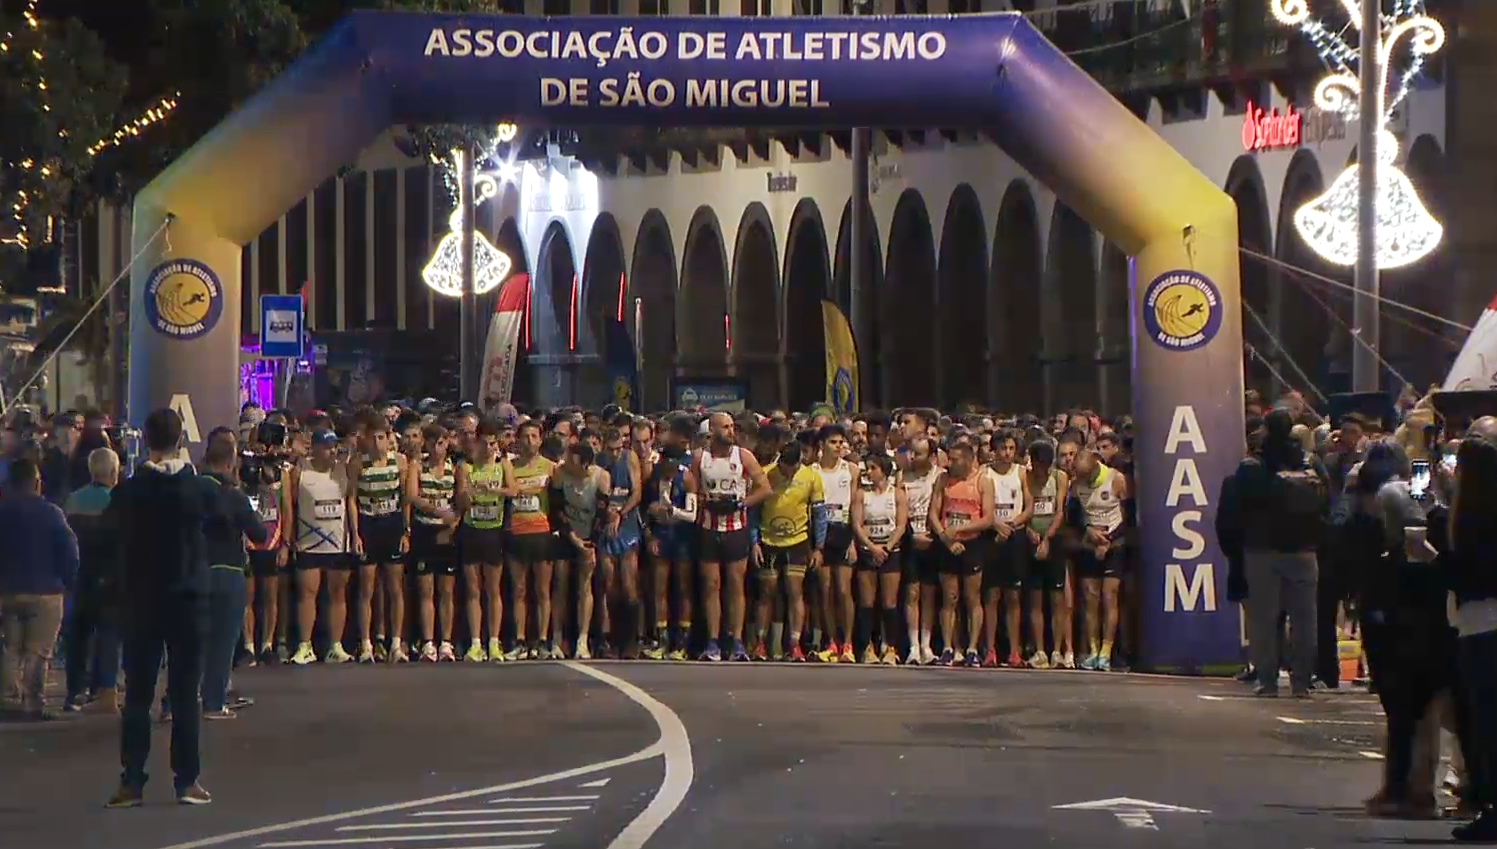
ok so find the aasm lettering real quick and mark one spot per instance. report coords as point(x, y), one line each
point(1187, 589)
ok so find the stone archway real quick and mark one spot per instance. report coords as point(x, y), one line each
point(962, 293)
point(1115, 361)
point(1071, 332)
point(1017, 314)
point(909, 314)
point(807, 281)
point(553, 320)
point(650, 308)
point(702, 321)
point(1422, 349)
point(1313, 345)
point(607, 347)
point(755, 324)
point(862, 300)
point(1245, 185)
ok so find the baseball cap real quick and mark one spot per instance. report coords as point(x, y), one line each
point(324, 437)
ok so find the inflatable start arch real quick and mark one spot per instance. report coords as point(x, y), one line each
point(989, 72)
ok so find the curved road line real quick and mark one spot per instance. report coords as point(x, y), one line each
point(673, 744)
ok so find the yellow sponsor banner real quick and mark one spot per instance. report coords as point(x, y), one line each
point(841, 359)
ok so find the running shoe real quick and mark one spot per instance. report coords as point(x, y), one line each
point(1038, 660)
point(304, 655)
point(268, 655)
point(972, 661)
point(1069, 661)
point(990, 660)
point(1014, 661)
point(654, 651)
point(281, 654)
point(516, 653)
point(913, 658)
point(398, 654)
point(127, 796)
point(381, 654)
point(221, 713)
point(429, 652)
point(1104, 663)
point(740, 654)
point(869, 655)
point(1057, 660)
point(927, 657)
point(194, 795)
point(336, 654)
point(541, 653)
point(712, 652)
point(583, 653)
point(1089, 663)
point(678, 653)
point(797, 654)
point(366, 653)
point(847, 655)
point(446, 653)
point(891, 656)
point(760, 653)
point(947, 658)
point(475, 653)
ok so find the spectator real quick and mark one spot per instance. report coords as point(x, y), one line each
point(232, 520)
point(1281, 509)
point(57, 459)
point(93, 643)
point(38, 563)
point(160, 512)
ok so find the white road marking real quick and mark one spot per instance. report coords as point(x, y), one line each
point(386, 826)
point(542, 810)
point(405, 838)
point(543, 799)
point(602, 782)
point(1294, 720)
point(483, 812)
point(674, 744)
point(1131, 813)
point(1371, 756)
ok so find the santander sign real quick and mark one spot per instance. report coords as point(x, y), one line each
point(1270, 130)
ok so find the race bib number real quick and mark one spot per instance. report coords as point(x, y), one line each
point(837, 514)
point(918, 524)
point(1044, 506)
point(328, 508)
point(484, 512)
point(880, 529)
point(381, 506)
point(268, 511)
point(527, 504)
point(1005, 511)
point(957, 520)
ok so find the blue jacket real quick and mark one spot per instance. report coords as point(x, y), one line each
point(40, 553)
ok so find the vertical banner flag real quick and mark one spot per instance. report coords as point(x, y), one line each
point(502, 348)
point(841, 360)
point(1476, 366)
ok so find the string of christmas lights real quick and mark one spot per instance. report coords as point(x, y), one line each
point(1406, 232)
point(444, 271)
point(154, 113)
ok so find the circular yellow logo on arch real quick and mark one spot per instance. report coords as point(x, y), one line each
point(183, 299)
point(1182, 310)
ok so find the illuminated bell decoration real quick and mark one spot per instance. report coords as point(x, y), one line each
point(1406, 232)
point(444, 272)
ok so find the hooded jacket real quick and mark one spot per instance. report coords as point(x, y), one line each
point(230, 520)
point(160, 512)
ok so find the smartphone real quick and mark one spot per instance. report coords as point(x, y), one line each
point(1419, 481)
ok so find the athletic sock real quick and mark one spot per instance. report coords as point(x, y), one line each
point(891, 625)
point(776, 637)
point(925, 636)
point(816, 639)
point(863, 626)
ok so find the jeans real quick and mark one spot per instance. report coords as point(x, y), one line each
point(170, 626)
point(28, 630)
point(93, 645)
point(227, 591)
point(1478, 665)
point(1281, 581)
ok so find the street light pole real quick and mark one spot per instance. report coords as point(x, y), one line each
point(857, 231)
point(468, 307)
point(1366, 371)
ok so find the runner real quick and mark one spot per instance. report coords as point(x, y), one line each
point(531, 544)
point(480, 488)
point(922, 556)
point(619, 554)
point(578, 486)
point(430, 483)
point(961, 512)
point(1101, 560)
point(1046, 571)
point(838, 480)
point(326, 520)
point(732, 481)
point(879, 517)
point(788, 539)
point(1006, 570)
point(673, 516)
point(270, 494)
point(379, 473)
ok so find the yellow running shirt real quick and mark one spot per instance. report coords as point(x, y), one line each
point(785, 516)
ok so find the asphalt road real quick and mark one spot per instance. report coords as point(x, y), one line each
point(692, 756)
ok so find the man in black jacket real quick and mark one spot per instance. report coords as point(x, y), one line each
point(232, 520)
point(160, 513)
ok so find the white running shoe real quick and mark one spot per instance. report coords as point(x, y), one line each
point(336, 654)
point(582, 651)
point(913, 658)
point(446, 653)
point(429, 652)
point(927, 657)
point(304, 655)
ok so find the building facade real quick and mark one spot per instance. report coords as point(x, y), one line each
point(982, 288)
